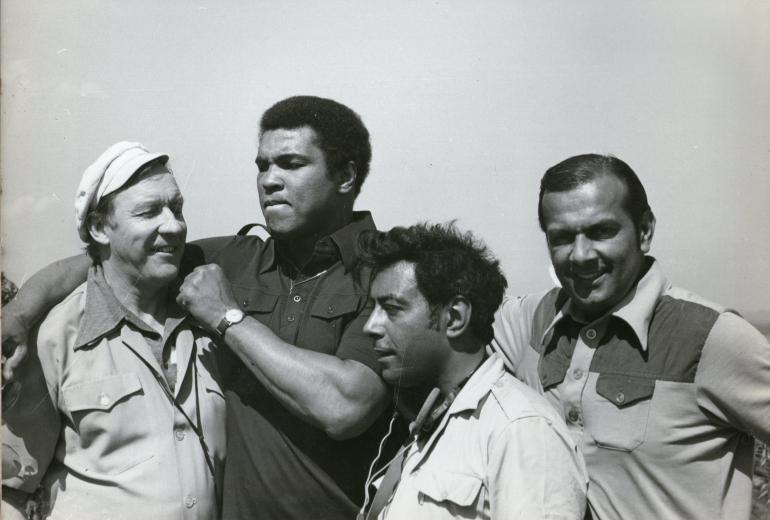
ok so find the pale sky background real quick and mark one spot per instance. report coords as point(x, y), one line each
point(467, 104)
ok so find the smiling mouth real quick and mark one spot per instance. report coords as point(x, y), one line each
point(587, 277)
point(165, 249)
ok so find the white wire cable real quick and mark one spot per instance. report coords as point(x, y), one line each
point(369, 475)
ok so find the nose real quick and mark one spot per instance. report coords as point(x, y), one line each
point(582, 250)
point(270, 180)
point(373, 326)
point(172, 223)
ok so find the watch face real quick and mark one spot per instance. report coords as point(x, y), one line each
point(234, 315)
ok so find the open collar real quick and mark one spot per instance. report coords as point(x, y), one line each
point(478, 386)
point(635, 309)
point(103, 313)
point(340, 245)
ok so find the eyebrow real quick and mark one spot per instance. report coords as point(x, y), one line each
point(389, 297)
point(283, 156)
point(600, 223)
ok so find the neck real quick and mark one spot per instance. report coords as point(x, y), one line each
point(300, 249)
point(463, 363)
point(410, 400)
point(149, 304)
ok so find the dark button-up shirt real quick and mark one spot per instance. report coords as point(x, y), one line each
point(278, 465)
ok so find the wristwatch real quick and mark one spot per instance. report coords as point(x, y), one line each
point(231, 317)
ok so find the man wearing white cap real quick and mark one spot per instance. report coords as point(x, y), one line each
point(118, 412)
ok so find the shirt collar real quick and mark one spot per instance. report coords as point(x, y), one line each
point(478, 386)
point(637, 306)
point(103, 313)
point(344, 242)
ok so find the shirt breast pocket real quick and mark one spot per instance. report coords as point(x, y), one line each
point(459, 493)
point(256, 302)
point(112, 422)
point(329, 315)
point(617, 414)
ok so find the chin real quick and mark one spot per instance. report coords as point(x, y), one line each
point(165, 276)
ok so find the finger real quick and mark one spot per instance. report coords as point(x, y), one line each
point(12, 362)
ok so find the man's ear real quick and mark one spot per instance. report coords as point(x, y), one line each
point(458, 314)
point(346, 180)
point(96, 225)
point(646, 231)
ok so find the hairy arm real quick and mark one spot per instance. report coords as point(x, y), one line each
point(342, 397)
point(42, 291)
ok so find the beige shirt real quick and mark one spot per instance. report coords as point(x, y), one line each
point(499, 452)
point(93, 424)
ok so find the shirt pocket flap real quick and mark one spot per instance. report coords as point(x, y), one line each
point(101, 394)
point(458, 488)
point(254, 299)
point(623, 390)
point(335, 305)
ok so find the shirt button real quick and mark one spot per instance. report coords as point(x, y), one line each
point(573, 415)
point(190, 501)
point(577, 373)
point(330, 310)
point(620, 398)
point(591, 333)
point(104, 399)
point(290, 317)
point(297, 298)
point(179, 434)
point(245, 303)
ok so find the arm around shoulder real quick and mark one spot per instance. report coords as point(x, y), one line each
point(42, 291)
point(733, 376)
point(513, 328)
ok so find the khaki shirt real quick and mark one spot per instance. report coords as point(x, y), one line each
point(92, 423)
point(499, 452)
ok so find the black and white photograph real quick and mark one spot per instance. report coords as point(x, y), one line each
point(385, 260)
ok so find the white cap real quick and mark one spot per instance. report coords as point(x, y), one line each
point(107, 174)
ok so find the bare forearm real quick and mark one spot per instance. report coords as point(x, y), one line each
point(341, 397)
point(46, 288)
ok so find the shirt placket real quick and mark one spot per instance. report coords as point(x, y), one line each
point(573, 387)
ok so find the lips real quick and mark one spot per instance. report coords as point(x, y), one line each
point(275, 202)
point(383, 352)
point(165, 249)
point(587, 277)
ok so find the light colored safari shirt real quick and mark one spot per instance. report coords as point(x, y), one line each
point(663, 395)
point(92, 423)
point(499, 452)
